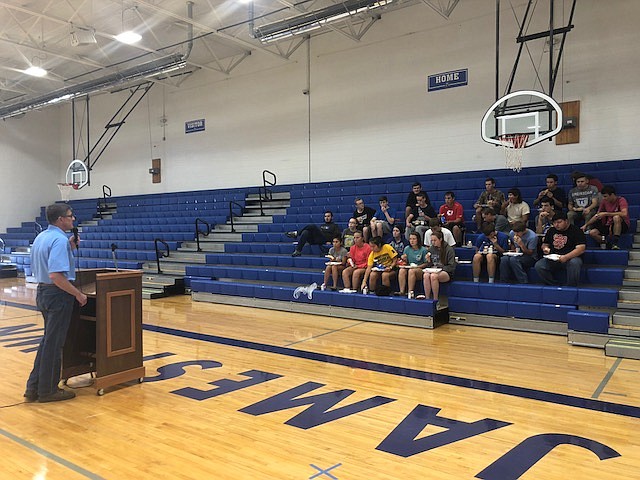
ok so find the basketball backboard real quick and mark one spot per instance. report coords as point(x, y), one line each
point(525, 112)
point(77, 173)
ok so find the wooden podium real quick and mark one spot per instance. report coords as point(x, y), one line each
point(105, 335)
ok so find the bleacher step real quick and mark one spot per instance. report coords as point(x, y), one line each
point(634, 255)
point(252, 219)
point(623, 348)
point(176, 269)
point(205, 246)
point(631, 282)
point(629, 305)
point(623, 317)
point(160, 279)
point(274, 196)
point(632, 273)
point(222, 236)
point(238, 228)
point(184, 257)
point(254, 211)
point(151, 293)
point(629, 294)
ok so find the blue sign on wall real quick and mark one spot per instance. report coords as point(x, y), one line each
point(194, 126)
point(454, 78)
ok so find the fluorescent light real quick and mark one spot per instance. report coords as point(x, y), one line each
point(313, 20)
point(35, 71)
point(129, 37)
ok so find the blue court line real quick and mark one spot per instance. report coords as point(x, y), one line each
point(51, 456)
point(18, 305)
point(521, 392)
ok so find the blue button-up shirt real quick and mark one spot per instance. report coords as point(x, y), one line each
point(50, 253)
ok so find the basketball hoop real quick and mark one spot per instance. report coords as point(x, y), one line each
point(513, 146)
point(65, 190)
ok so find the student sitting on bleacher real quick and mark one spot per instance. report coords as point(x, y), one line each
point(563, 246)
point(583, 200)
point(398, 241)
point(315, 235)
point(436, 226)
point(337, 261)
point(553, 192)
point(490, 245)
point(383, 219)
point(349, 232)
point(363, 216)
point(491, 197)
point(440, 255)
point(415, 256)
point(418, 219)
point(500, 221)
point(453, 214)
point(515, 208)
point(524, 242)
point(544, 220)
point(358, 257)
point(382, 262)
point(611, 221)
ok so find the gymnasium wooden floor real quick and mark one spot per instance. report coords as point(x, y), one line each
point(240, 393)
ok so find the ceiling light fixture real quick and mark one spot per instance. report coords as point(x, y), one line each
point(35, 71)
point(313, 20)
point(128, 36)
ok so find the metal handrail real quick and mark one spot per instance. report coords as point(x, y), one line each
point(106, 192)
point(198, 232)
point(37, 227)
point(231, 204)
point(264, 192)
point(158, 255)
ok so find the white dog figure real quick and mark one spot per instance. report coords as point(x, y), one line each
point(308, 291)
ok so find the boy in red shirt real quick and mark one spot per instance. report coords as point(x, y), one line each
point(612, 219)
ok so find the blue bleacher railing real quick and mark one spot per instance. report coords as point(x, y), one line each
point(160, 254)
point(264, 192)
point(198, 231)
point(37, 227)
point(231, 204)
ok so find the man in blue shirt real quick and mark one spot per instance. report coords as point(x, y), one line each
point(490, 246)
point(522, 256)
point(53, 267)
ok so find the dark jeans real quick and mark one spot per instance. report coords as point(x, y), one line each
point(517, 266)
point(56, 307)
point(312, 235)
point(548, 269)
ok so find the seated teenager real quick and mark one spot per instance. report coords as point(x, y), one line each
point(490, 245)
point(436, 226)
point(314, 234)
point(452, 213)
point(418, 219)
point(583, 200)
point(337, 253)
point(382, 263)
point(440, 255)
point(544, 220)
point(515, 209)
point(414, 255)
point(567, 242)
point(383, 220)
point(363, 216)
point(347, 233)
point(491, 197)
point(398, 241)
point(357, 261)
point(612, 219)
point(524, 242)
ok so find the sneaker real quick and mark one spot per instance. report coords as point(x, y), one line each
point(323, 287)
point(421, 297)
point(292, 234)
point(411, 295)
point(615, 247)
point(58, 396)
point(334, 289)
point(296, 253)
point(30, 396)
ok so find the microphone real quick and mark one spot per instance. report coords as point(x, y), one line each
point(76, 240)
point(113, 255)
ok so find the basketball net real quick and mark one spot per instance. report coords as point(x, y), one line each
point(65, 190)
point(513, 146)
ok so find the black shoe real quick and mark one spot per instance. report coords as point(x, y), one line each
point(296, 253)
point(292, 234)
point(30, 396)
point(58, 396)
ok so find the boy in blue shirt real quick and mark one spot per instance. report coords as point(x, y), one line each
point(490, 246)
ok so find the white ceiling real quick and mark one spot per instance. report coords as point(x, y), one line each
point(40, 32)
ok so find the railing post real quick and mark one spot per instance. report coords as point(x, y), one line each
point(206, 234)
point(164, 254)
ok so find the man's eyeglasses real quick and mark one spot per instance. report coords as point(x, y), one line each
point(68, 216)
